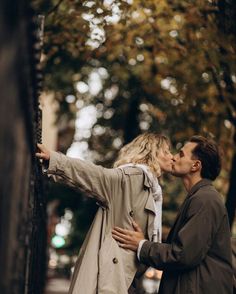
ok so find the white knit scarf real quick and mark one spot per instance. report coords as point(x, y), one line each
point(157, 199)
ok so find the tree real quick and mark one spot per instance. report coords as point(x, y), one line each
point(164, 66)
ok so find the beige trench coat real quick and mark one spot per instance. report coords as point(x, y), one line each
point(102, 266)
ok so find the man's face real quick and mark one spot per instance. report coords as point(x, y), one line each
point(183, 161)
point(165, 158)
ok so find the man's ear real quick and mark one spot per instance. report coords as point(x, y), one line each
point(197, 165)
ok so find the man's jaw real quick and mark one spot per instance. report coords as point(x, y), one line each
point(174, 172)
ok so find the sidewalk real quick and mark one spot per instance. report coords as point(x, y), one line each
point(57, 286)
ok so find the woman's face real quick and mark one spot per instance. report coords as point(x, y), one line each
point(165, 158)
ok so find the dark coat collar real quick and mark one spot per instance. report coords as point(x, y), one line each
point(198, 185)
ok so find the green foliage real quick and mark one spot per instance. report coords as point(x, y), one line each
point(162, 54)
point(165, 66)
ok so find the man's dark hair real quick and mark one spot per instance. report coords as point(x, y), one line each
point(207, 151)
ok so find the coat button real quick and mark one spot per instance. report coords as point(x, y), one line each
point(131, 213)
point(115, 260)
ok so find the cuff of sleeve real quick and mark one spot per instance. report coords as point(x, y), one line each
point(144, 251)
point(54, 162)
point(140, 247)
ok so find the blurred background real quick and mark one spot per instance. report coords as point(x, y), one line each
point(85, 78)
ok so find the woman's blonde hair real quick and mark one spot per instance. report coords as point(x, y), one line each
point(144, 149)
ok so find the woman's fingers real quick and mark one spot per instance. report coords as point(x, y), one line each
point(41, 147)
point(38, 155)
point(44, 152)
point(41, 155)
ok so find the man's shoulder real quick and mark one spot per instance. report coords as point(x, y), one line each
point(209, 196)
point(208, 193)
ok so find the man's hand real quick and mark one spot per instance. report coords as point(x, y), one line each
point(128, 239)
point(44, 152)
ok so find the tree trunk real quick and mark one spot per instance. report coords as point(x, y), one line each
point(231, 195)
point(227, 25)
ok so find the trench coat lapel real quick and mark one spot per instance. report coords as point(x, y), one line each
point(174, 229)
point(184, 206)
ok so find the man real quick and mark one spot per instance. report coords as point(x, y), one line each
point(196, 257)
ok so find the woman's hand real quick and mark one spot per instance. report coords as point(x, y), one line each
point(44, 152)
point(128, 239)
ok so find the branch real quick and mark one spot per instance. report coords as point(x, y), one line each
point(210, 10)
point(54, 8)
point(221, 97)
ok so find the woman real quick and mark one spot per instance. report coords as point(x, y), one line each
point(128, 191)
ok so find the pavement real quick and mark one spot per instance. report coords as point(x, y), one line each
point(57, 286)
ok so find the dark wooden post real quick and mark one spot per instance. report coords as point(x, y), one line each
point(22, 204)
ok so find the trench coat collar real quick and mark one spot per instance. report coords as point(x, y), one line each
point(147, 185)
point(146, 182)
point(198, 185)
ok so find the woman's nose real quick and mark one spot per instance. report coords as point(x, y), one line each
point(174, 157)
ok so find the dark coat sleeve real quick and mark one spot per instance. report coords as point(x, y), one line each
point(193, 239)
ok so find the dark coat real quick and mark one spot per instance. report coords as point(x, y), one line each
point(196, 258)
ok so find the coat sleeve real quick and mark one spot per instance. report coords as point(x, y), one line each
point(95, 180)
point(192, 242)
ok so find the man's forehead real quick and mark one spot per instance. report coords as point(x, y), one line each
point(189, 146)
